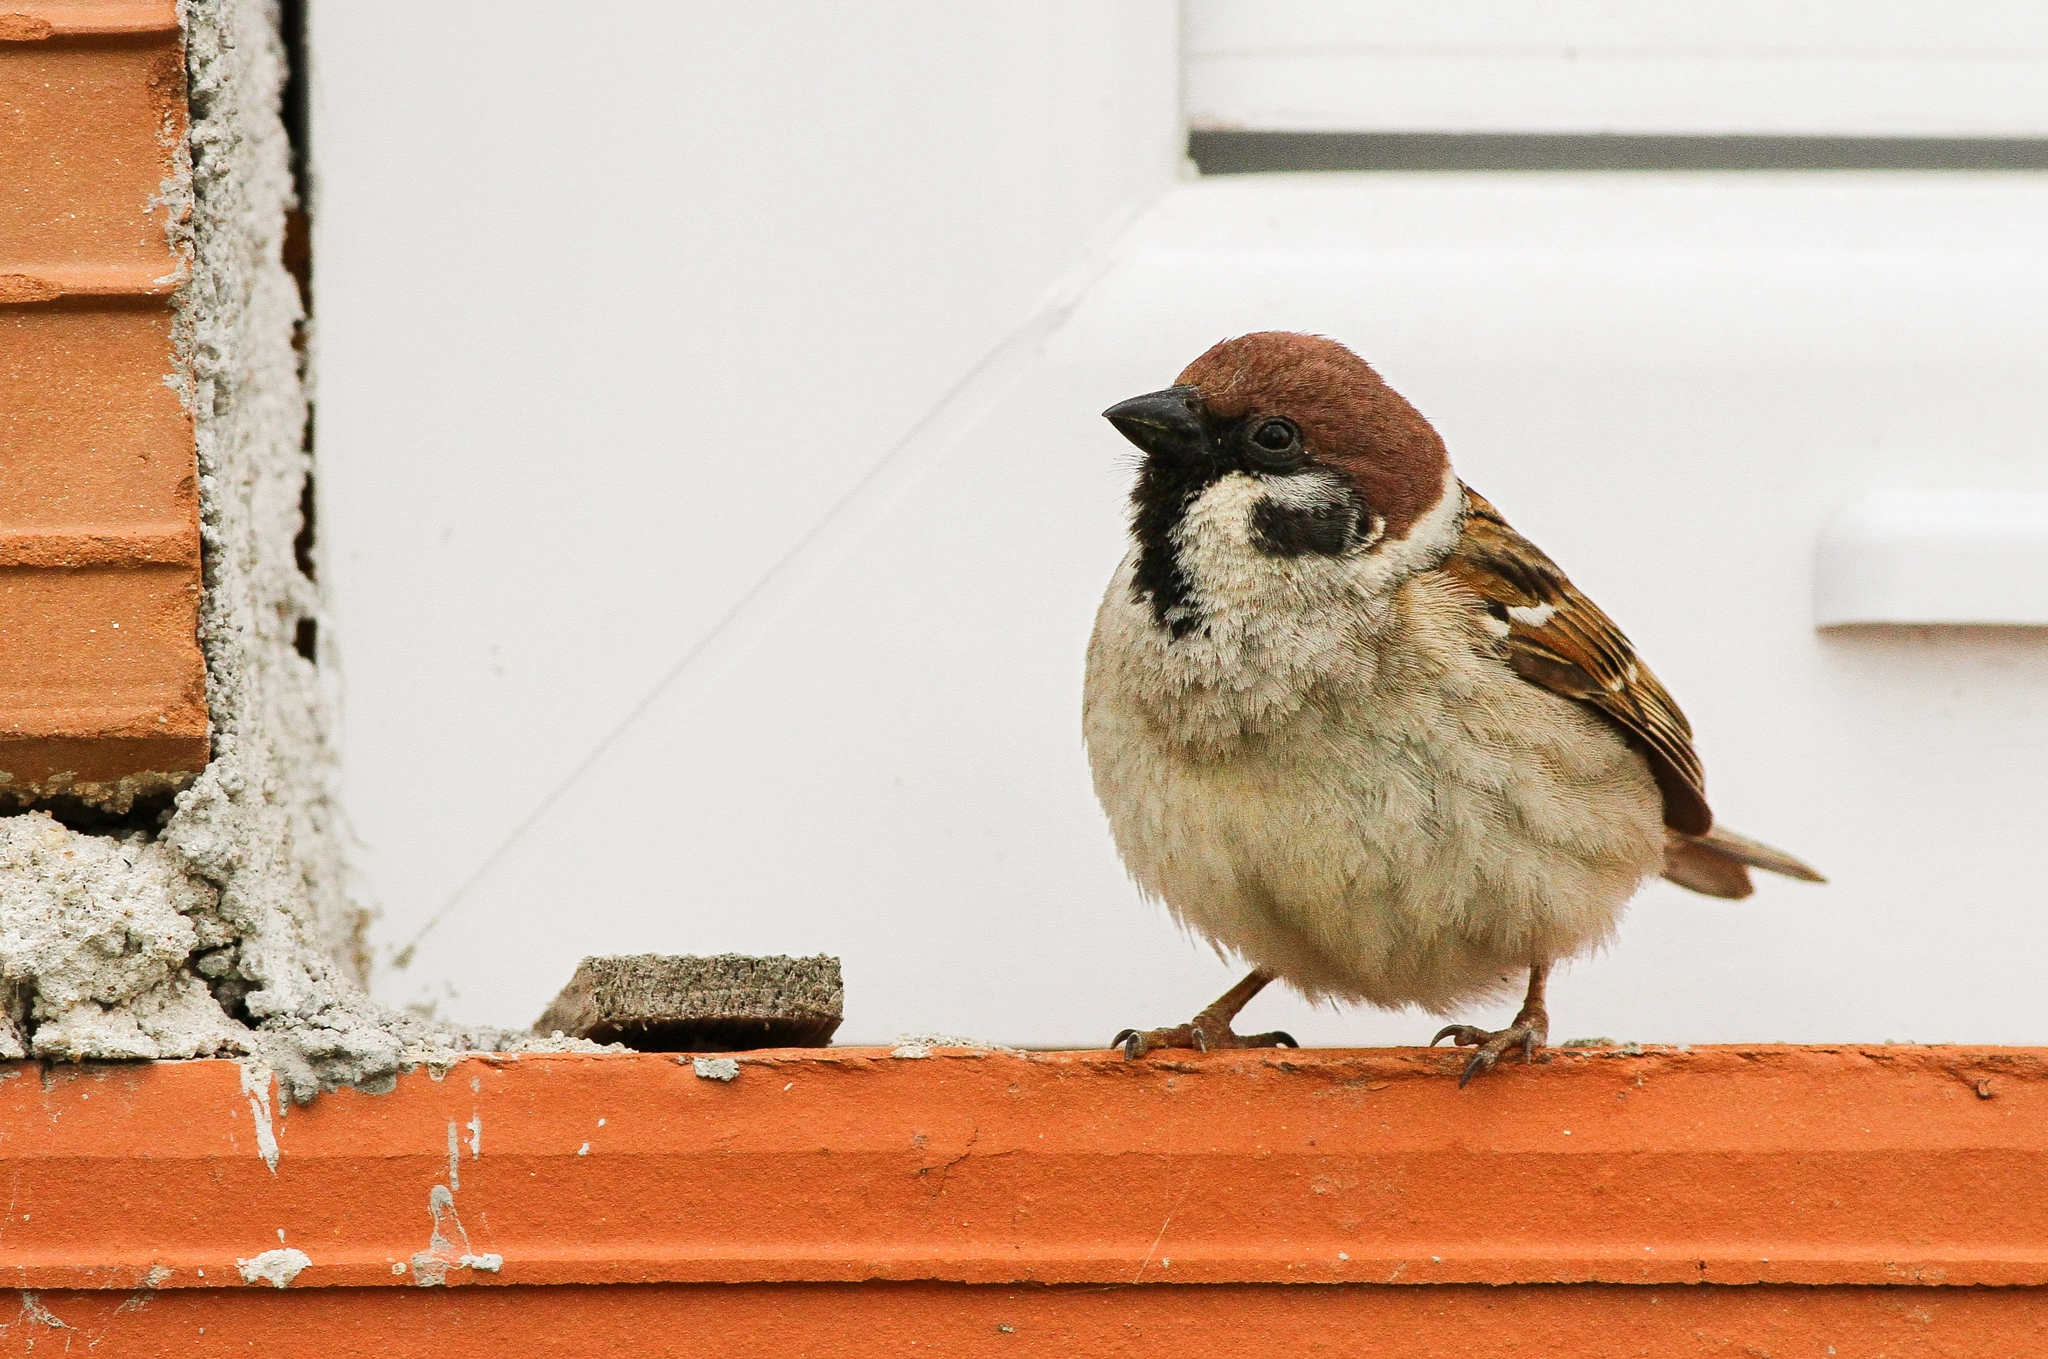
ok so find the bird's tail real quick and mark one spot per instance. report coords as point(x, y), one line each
point(1718, 862)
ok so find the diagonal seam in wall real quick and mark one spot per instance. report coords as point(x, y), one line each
point(837, 532)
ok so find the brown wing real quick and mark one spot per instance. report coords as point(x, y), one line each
point(1559, 639)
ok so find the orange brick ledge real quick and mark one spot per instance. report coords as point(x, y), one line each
point(1749, 1165)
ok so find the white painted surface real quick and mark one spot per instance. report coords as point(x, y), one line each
point(661, 518)
point(1925, 557)
point(613, 312)
point(1818, 67)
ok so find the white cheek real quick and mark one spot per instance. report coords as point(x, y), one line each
point(1218, 526)
point(1236, 588)
point(1219, 523)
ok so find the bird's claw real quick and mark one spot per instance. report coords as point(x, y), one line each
point(1492, 1045)
point(1137, 1042)
point(1482, 1061)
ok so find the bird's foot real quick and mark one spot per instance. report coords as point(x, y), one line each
point(1529, 1032)
point(1202, 1033)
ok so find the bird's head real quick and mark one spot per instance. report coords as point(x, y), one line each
point(1314, 454)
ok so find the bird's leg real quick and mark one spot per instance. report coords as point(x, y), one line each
point(1208, 1030)
point(1529, 1032)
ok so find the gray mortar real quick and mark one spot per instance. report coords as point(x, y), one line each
point(130, 947)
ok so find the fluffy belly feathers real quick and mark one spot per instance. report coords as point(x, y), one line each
point(1373, 806)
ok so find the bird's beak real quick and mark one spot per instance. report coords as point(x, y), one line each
point(1163, 424)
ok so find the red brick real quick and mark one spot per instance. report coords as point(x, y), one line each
point(101, 675)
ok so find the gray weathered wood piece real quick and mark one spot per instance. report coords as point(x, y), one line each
point(728, 1002)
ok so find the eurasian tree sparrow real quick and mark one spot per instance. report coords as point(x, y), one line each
point(1350, 726)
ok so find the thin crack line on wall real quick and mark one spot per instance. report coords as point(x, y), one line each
point(837, 532)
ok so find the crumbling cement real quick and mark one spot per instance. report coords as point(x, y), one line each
point(100, 938)
point(226, 932)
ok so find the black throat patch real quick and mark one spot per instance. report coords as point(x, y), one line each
point(1159, 502)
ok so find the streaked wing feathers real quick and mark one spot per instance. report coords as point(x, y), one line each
point(1559, 639)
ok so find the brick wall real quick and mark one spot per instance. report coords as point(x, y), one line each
point(102, 684)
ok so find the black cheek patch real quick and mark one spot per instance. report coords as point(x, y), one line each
point(1327, 529)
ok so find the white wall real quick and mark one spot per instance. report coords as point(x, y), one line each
point(714, 505)
point(612, 314)
point(1872, 68)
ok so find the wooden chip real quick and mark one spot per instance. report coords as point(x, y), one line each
point(725, 1003)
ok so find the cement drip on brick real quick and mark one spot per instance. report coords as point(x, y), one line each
point(228, 932)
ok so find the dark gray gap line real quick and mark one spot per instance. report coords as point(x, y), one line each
point(1242, 153)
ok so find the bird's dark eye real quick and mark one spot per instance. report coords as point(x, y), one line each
point(1275, 436)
